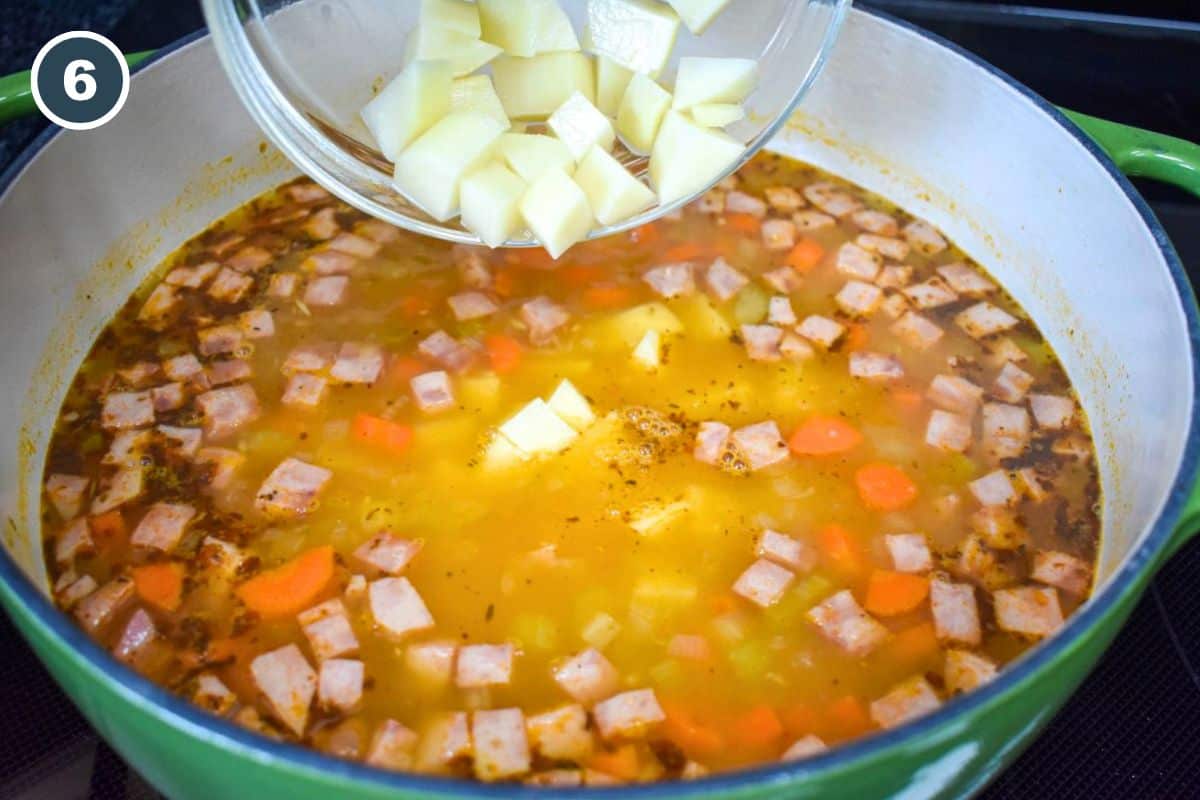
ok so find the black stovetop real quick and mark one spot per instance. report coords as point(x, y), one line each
point(1130, 731)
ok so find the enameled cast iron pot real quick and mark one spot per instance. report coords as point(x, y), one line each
point(84, 216)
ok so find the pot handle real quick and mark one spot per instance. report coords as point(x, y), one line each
point(1144, 153)
point(16, 98)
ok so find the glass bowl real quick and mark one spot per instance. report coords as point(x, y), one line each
point(304, 69)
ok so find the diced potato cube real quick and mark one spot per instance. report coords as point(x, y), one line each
point(641, 113)
point(537, 429)
point(686, 158)
point(527, 27)
point(531, 88)
point(408, 106)
point(630, 325)
point(611, 191)
point(572, 406)
point(714, 80)
point(433, 42)
point(698, 14)
point(654, 518)
point(491, 203)
point(581, 126)
point(457, 15)
point(557, 211)
point(648, 352)
point(702, 318)
point(476, 93)
point(600, 630)
point(531, 154)
point(555, 33)
point(501, 453)
point(637, 34)
point(717, 115)
point(429, 171)
point(611, 80)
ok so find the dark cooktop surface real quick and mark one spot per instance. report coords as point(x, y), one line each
point(1130, 731)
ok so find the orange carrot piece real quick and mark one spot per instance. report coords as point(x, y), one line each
point(805, 255)
point(645, 234)
point(846, 717)
point(857, 336)
point(607, 296)
point(405, 368)
point(744, 223)
point(160, 585)
point(841, 549)
point(722, 604)
point(621, 763)
point(908, 399)
point(107, 528)
point(890, 593)
point(696, 739)
point(382, 433)
point(822, 436)
point(914, 645)
point(415, 305)
point(757, 728)
point(683, 252)
point(504, 282)
point(884, 487)
point(578, 275)
point(504, 352)
point(799, 719)
point(292, 586)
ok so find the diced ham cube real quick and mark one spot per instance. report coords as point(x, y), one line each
point(123, 410)
point(186, 369)
point(1031, 484)
point(1052, 412)
point(587, 677)
point(472, 267)
point(387, 552)
point(965, 671)
point(784, 199)
point(483, 665)
point(561, 734)
point(397, 608)
point(283, 285)
point(288, 683)
point(762, 342)
point(219, 339)
point(859, 299)
point(167, 397)
point(966, 280)
point(432, 391)
point(257, 323)
point(711, 202)
point(98, 609)
point(894, 276)
point(820, 330)
point(690, 647)
point(432, 662)
point(671, 280)
point(831, 199)
point(66, 493)
point(804, 747)
point(794, 348)
point(444, 740)
point(192, 277)
point(741, 203)
point(310, 358)
point(304, 390)
point(1072, 446)
point(924, 237)
point(221, 557)
point(118, 489)
point(955, 394)
point(778, 234)
point(842, 620)
point(138, 633)
point(628, 715)
point(875, 366)
point(1071, 574)
point(447, 351)
point(994, 489)
point(984, 319)
point(1012, 383)
point(229, 286)
point(326, 291)
point(1028, 610)
point(159, 305)
point(917, 331)
point(948, 431)
point(763, 583)
point(909, 551)
point(250, 259)
point(127, 448)
point(340, 684)
point(228, 371)
point(501, 747)
point(225, 244)
point(856, 262)
point(930, 294)
point(73, 540)
point(163, 526)
point(911, 699)
point(139, 374)
point(955, 613)
point(812, 220)
point(1005, 429)
point(779, 311)
point(378, 231)
point(357, 363)
point(213, 695)
point(321, 225)
point(875, 222)
point(292, 488)
point(70, 590)
point(543, 317)
point(355, 245)
point(226, 410)
point(392, 746)
point(185, 440)
point(711, 440)
point(327, 628)
point(786, 551)
point(783, 279)
point(471, 305)
point(896, 249)
point(221, 463)
point(894, 305)
point(723, 281)
point(760, 444)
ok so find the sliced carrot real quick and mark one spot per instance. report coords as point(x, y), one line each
point(884, 487)
point(160, 584)
point(908, 399)
point(607, 296)
point(759, 727)
point(291, 587)
point(914, 645)
point(621, 763)
point(504, 352)
point(696, 739)
point(382, 433)
point(504, 282)
point(530, 258)
point(799, 719)
point(683, 252)
point(822, 436)
point(846, 717)
point(645, 234)
point(890, 593)
point(578, 275)
point(841, 549)
point(404, 368)
point(107, 528)
point(415, 305)
point(744, 223)
point(805, 255)
point(722, 604)
point(857, 336)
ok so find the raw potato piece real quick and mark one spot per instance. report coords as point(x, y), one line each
point(641, 113)
point(687, 158)
point(698, 14)
point(611, 191)
point(430, 170)
point(465, 54)
point(491, 203)
point(717, 115)
point(457, 15)
point(408, 106)
point(527, 27)
point(611, 80)
point(537, 429)
point(581, 126)
point(476, 93)
point(637, 34)
point(714, 80)
point(572, 406)
point(557, 211)
point(531, 154)
point(534, 87)
point(648, 352)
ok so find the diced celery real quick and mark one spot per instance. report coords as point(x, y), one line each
point(701, 318)
point(750, 660)
point(750, 307)
point(535, 631)
point(600, 630)
point(667, 674)
point(666, 591)
point(730, 627)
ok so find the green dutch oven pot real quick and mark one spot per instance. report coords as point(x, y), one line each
point(1035, 194)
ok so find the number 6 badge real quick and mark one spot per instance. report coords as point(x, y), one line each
point(80, 80)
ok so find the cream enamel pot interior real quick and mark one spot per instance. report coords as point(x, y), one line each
point(86, 215)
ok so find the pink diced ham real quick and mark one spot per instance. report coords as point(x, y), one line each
point(185, 440)
point(304, 390)
point(780, 312)
point(711, 202)
point(783, 279)
point(75, 539)
point(909, 552)
point(843, 621)
point(388, 553)
point(894, 276)
point(875, 366)
point(501, 747)
point(784, 199)
point(948, 431)
point(812, 220)
point(955, 612)
point(159, 305)
point(690, 647)
point(69, 590)
point(397, 608)
point(327, 628)
point(213, 695)
point(831, 199)
point(966, 280)
point(587, 677)
point(167, 397)
point(310, 358)
point(392, 746)
point(219, 339)
point(127, 448)
point(794, 348)
point(99, 608)
point(1005, 429)
point(124, 410)
point(355, 245)
point(955, 394)
point(186, 369)
point(760, 444)
point(225, 244)
point(292, 488)
point(432, 391)
point(896, 249)
point(283, 285)
point(139, 375)
point(917, 331)
point(378, 231)
point(762, 342)
point(786, 551)
point(431, 662)
point(561, 734)
point(118, 489)
point(326, 291)
point(1012, 383)
point(225, 411)
point(543, 317)
point(984, 319)
point(471, 305)
point(447, 351)
point(804, 747)
point(1002, 350)
point(965, 671)
point(472, 267)
point(222, 464)
point(821, 331)
point(250, 259)
point(483, 665)
point(137, 634)
point(1028, 610)
point(911, 699)
point(711, 440)
point(340, 684)
point(1055, 568)
point(1052, 412)
point(876, 222)
point(628, 715)
point(357, 363)
point(192, 277)
point(229, 286)
point(924, 237)
point(321, 225)
point(763, 583)
point(288, 684)
point(163, 526)
point(66, 493)
point(723, 281)
point(257, 323)
point(930, 294)
point(444, 740)
point(222, 557)
point(994, 489)
point(230, 370)
point(859, 299)
point(856, 262)
point(737, 202)
point(671, 280)
point(778, 234)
